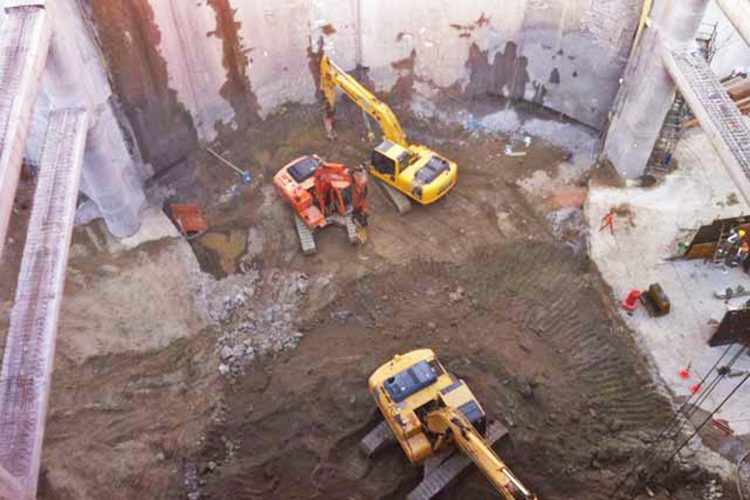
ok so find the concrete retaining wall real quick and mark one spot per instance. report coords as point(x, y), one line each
point(185, 70)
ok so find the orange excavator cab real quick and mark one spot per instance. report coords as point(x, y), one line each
point(332, 185)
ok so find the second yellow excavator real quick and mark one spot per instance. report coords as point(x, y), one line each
point(430, 413)
point(414, 170)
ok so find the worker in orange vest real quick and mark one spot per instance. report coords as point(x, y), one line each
point(609, 221)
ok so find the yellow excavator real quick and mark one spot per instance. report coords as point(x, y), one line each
point(412, 169)
point(430, 412)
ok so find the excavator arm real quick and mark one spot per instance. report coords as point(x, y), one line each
point(332, 77)
point(448, 423)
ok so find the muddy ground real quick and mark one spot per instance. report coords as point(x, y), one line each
point(158, 394)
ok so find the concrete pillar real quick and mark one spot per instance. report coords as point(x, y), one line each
point(75, 77)
point(738, 13)
point(647, 91)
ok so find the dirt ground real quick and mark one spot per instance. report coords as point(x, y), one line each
point(141, 406)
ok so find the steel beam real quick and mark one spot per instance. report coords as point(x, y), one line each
point(716, 112)
point(24, 43)
point(26, 374)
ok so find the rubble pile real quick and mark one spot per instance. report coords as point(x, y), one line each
point(257, 323)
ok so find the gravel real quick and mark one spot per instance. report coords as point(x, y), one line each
point(254, 323)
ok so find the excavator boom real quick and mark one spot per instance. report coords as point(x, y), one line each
point(407, 171)
point(331, 76)
point(451, 424)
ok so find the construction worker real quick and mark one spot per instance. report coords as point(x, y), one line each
point(732, 248)
point(742, 254)
point(736, 236)
point(609, 221)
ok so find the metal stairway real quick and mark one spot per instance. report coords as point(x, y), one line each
point(718, 257)
point(716, 112)
point(26, 374)
point(24, 42)
point(660, 161)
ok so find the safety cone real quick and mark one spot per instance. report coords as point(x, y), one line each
point(684, 374)
point(695, 388)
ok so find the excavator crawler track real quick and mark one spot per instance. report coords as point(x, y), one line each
point(378, 438)
point(306, 237)
point(399, 200)
point(437, 478)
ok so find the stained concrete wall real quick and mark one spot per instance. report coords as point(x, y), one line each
point(160, 76)
point(186, 70)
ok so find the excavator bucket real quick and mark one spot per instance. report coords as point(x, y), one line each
point(362, 235)
point(733, 329)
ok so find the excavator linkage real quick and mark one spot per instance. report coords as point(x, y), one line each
point(438, 477)
point(439, 470)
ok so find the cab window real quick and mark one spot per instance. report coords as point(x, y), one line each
point(382, 163)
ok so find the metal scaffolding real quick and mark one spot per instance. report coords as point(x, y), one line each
point(716, 112)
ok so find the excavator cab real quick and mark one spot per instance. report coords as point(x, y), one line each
point(387, 159)
point(416, 171)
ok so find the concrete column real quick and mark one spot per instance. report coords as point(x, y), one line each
point(738, 13)
point(75, 77)
point(647, 91)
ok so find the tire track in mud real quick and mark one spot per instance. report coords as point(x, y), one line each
point(537, 293)
point(596, 349)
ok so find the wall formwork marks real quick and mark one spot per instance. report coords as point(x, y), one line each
point(230, 61)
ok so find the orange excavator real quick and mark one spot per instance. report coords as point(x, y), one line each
point(321, 194)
